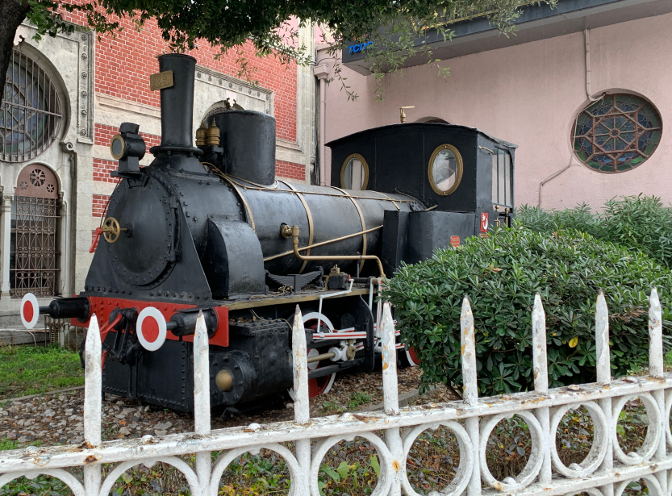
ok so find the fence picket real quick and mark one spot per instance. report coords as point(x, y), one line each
point(540, 371)
point(202, 399)
point(93, 403)
point(603, 372)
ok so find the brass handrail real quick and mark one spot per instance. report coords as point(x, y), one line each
point(295, 246)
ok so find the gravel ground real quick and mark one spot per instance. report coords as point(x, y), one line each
point(58, 419)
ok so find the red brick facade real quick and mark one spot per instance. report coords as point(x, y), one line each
point(99, 205)
point(124, 63)
point(290, 170)
point(103, 136)
point(102, 169)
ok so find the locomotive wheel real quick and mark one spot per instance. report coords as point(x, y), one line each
point(407, 358)
point(321, 385)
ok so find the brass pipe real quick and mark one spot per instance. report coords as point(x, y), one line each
point(323, 356)
point(295, 245)
point(322, 243)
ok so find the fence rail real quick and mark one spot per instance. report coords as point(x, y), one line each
point(606, 470)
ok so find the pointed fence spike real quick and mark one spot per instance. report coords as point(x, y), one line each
point(389, 359)
point(539, 356)
point(655, 336)
point(93, 377)
point(201, 377)
point(468, 340)
point(603, 364)
point(299, 354)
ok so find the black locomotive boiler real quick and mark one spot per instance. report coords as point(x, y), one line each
point(209, 227)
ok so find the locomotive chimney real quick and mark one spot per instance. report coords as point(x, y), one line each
point(176, 82)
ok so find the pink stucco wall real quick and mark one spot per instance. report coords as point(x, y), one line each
point(530, 95)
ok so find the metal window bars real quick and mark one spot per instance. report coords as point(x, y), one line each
point(30, 113)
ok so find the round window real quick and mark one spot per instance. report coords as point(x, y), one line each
point(445, 169)
point(617, 133)
point(354, 173)
point(30, 117)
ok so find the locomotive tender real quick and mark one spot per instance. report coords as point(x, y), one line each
point(210, 228)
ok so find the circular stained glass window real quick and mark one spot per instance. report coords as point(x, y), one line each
point(617, 133)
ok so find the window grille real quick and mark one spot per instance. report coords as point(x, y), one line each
point(30, 114)
point(33, 255)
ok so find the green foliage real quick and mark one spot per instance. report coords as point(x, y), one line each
point(29, 370)
point(398, 29)
point(353, 478)
point(636, 222)
point(358, 398)
point(501, 275)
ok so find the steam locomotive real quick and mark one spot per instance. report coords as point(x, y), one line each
point(209, 227)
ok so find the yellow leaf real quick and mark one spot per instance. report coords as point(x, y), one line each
point(573, 342)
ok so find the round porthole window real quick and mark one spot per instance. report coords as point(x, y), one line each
point(445, 169)
point(354, 173)
point(617, 133)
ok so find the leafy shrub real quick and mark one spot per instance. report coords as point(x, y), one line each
point(501, 275)
point(579, 218)
point(637, 222)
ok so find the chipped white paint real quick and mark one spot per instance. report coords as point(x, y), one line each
point(391, 395)
point(389, 360)
point(470, 389)
point(655, 336)
point(202, 398)
point(299, 355)
point(603, 365)
point(606, 471)
point(93, 404)
point(540, 371)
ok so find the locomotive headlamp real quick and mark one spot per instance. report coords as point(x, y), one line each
point(128, 148)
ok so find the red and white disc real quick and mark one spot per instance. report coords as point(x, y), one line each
point(30, 310)
point(151, 329)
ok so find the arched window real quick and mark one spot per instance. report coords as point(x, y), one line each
point(218, 108)
point(30, 115)
point(33, 255)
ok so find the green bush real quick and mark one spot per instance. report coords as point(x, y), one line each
point(501, 275)
point(636, 222)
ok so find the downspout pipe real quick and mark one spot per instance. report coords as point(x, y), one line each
point(589, 93)
point(322, 72)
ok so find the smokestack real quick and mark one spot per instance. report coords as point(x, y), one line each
point(177, 102)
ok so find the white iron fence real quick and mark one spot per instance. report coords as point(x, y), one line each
point(606, 471)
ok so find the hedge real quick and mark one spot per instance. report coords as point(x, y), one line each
point(501, 275)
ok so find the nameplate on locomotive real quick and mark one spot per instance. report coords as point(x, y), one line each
point(161, 80)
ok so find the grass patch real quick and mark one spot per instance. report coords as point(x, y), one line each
point(26, 370)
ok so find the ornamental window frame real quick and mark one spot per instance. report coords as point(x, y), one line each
point(613, 142)
point(33, 116)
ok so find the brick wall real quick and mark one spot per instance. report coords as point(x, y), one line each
point(102, 169)
point(290, 170)
point(125, 62)
point(103, 136)
point(98, 210)
point(99, 205)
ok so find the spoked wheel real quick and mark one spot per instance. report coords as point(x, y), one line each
point(321, 385)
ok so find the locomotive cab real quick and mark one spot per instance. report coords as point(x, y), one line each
point(460, 178)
